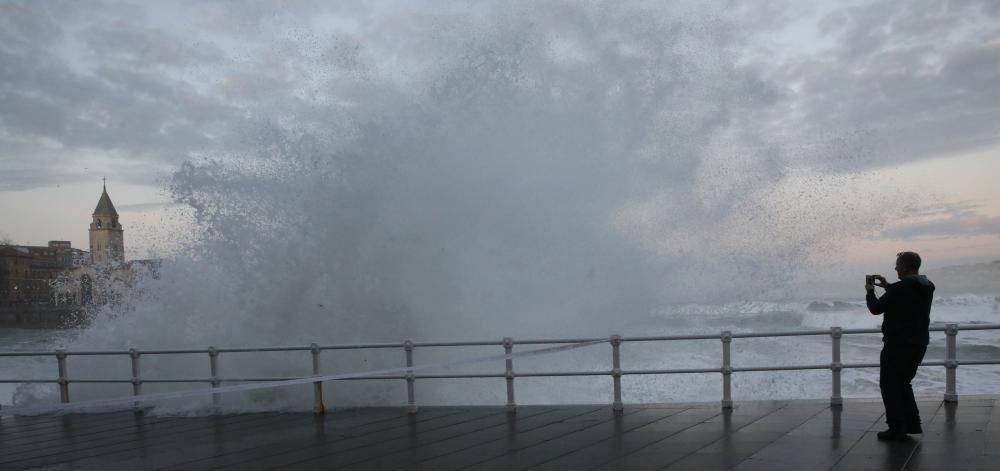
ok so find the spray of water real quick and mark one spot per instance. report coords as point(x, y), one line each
point(556, 170)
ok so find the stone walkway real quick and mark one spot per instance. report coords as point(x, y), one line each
point(766, 435)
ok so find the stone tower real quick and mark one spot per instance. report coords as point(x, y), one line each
point(107, 240)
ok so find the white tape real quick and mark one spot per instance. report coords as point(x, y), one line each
point(128, 400)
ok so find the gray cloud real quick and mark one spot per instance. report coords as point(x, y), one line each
point(958, 224)
point(248, 19)
point(939, 210)
point(99, 75)
point(916, 77)
point(146, 206)
point(902, 81)
point(141, 47)
point(941, 219)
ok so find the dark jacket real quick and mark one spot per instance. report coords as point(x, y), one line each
point(907, 308)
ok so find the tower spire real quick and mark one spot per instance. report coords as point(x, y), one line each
point(107, 244)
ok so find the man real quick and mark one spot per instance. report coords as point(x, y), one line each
point(906, 306)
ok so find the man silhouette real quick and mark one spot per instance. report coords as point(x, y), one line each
point(906, 306)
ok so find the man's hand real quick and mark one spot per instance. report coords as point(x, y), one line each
point(880, 281)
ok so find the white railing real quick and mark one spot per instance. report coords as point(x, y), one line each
point(950, 362)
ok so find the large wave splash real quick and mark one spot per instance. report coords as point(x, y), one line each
point(554, 170)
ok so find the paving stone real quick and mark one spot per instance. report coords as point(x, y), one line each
point(783, 435)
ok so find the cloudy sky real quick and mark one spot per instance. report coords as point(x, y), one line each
point(898, 96)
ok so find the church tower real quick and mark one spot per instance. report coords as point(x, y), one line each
point(107, 240)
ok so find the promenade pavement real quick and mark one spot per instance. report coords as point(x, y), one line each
point(755, 435)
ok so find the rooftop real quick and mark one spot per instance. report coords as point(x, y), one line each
point(104, 205)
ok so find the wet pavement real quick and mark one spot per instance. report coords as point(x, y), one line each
point(761, 435)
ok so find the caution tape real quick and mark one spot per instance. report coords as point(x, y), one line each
point(129, 400)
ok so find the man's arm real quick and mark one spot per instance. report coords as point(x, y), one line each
point(877, 305)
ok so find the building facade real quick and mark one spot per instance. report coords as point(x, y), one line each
point(27, 272)
point(60, 274)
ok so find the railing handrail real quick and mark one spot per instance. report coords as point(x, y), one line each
point(479, 343)
point(950, 363)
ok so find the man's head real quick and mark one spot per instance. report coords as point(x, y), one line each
point(907, 263)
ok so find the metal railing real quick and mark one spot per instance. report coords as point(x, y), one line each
point(951, 363)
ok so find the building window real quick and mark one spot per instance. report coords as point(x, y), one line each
point(98, 223)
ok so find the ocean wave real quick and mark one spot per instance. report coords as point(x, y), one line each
point(968, 300)
point(821, 306)
point(811, 305)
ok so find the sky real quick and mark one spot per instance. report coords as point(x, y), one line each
point(132, 90)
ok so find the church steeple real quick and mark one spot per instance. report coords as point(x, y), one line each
point(104, 205)
point(107, 241)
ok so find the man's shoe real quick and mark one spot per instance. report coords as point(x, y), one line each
point(914, 429)
point(891, 435)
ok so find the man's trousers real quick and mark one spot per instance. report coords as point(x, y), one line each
point(897, 367)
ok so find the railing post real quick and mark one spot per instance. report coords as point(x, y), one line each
point(727, 370)
point(213, 364)
point(63, 377)
point(508, 347)
point(133, 354)
point(950, 362)
point(318, 406)
point(410, 377)
point(836, 366)
point(616, 372)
